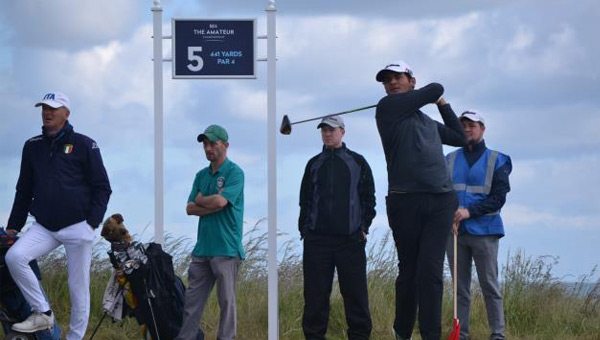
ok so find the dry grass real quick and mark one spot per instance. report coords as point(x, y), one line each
point(537, 305)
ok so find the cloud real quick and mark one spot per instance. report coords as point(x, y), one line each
point(564, 187)
point(522, 39)
point(373, 9)
point(555, 53)
point(519, 216)
point(530, 70)
point(63, 24)
point(249, 103)
point(449, 37)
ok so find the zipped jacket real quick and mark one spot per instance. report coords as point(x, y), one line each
point(337, 194)
point(412, 141)
point(62, 182)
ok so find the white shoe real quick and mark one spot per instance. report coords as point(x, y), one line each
point(35, 322)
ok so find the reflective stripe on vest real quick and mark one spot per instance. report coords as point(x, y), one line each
point(473, 185)
point(489, 174)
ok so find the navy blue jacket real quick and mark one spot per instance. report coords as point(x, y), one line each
point(62, 182)
point(412, 141)
point(337, 195)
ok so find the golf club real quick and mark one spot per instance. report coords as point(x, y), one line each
point(286, 125)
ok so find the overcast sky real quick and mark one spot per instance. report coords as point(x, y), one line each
point(529, 67)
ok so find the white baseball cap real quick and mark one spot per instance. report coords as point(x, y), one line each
point(55, 100)
point(473, 116)
point(333, 121)
point(397, 66)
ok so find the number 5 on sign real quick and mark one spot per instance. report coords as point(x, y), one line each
point(195, 58)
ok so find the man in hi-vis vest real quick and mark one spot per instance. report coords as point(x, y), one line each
point(480, 178)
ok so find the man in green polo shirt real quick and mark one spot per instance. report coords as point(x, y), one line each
point(217, 197)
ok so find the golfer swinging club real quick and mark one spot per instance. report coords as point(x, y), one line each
point(421, 201)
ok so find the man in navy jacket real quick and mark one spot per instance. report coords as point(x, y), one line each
point(64, 185)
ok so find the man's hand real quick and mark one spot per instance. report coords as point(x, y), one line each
point(12, 232)
point(441, 102)
point(455, 227)
point(461, 214)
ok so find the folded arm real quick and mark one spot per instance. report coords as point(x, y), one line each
point(205, 205)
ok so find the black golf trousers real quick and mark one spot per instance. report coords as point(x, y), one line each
point(421, 224)
point(323, 254)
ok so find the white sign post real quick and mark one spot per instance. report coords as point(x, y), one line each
point(273, 290)
point(158, 126)
point(195, 63)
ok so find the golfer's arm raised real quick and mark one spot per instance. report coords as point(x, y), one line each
point(451, 132)
point(403, 104)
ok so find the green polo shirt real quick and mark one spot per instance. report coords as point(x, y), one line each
point(220, 233)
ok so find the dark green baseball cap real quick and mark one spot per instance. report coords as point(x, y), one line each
point(214, 133)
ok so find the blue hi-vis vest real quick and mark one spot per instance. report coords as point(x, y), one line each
point(473, 185)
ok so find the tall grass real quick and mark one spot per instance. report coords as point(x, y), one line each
point(537, 305)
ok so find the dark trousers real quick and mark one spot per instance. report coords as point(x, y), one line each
point(322, 255)
point(421, 224)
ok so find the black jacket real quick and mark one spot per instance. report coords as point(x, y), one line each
point(337, 195)
point(412, 141)
point(62, 182)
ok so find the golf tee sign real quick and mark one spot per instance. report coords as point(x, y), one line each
point(214, 48)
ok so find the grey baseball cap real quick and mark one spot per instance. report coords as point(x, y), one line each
point(333, 121)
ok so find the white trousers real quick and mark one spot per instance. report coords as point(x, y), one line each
point(38, 241)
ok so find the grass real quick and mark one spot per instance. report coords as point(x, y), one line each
point(537, 305)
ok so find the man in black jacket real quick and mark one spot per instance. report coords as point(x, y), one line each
point(64, 185)
point(337, 205)
point(421, 201)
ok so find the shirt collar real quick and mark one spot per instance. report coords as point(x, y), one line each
point(221, 168)
point(477, 147)
point(67, 128)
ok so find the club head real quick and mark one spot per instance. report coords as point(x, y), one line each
point(286, 126)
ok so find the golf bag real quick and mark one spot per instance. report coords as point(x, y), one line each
point(158, 292)
point(13, 306)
